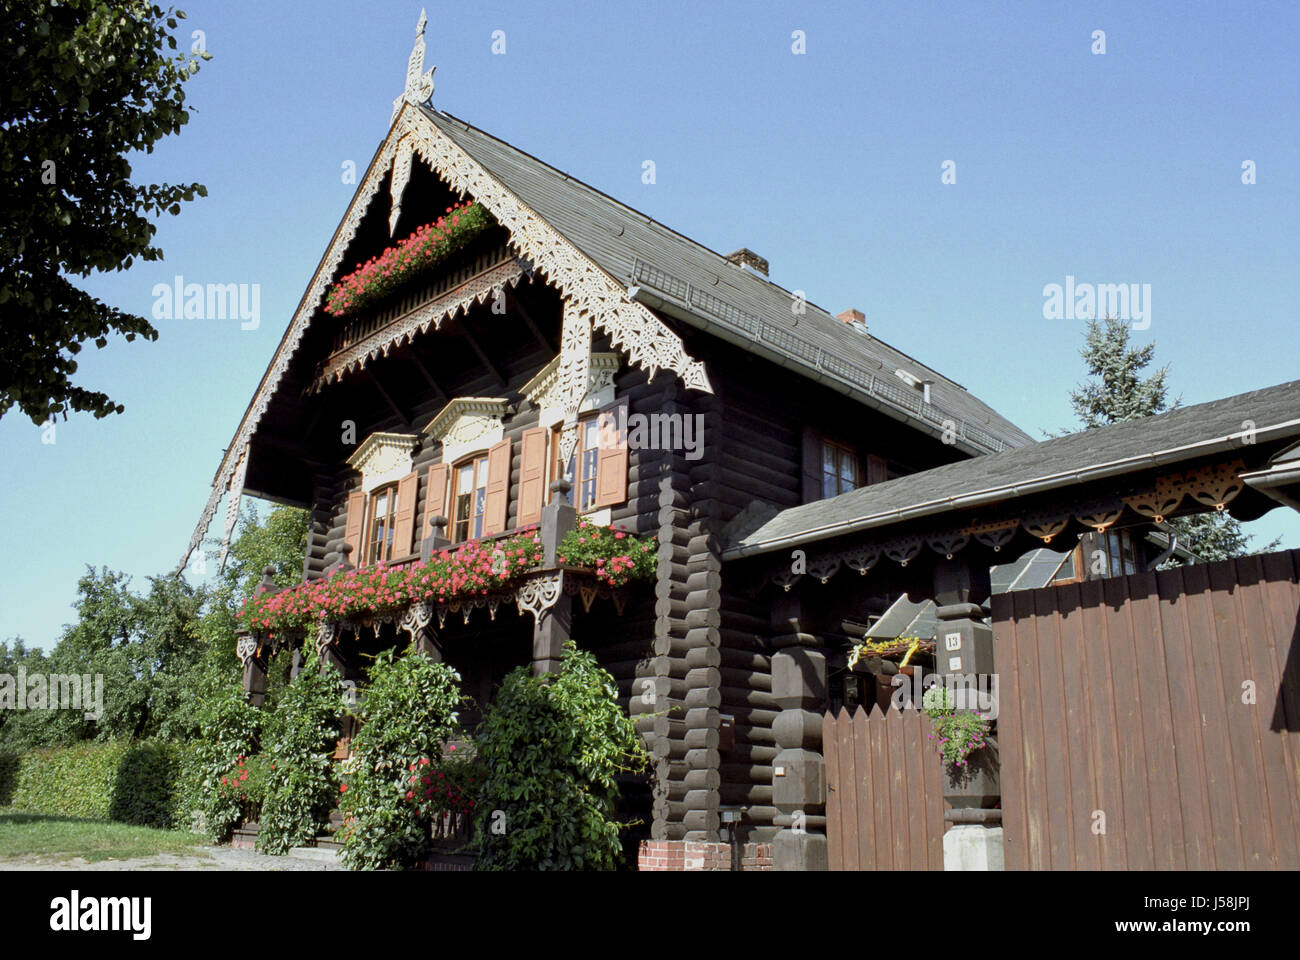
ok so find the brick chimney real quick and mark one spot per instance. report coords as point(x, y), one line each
point(744, 257)
point(852, 316)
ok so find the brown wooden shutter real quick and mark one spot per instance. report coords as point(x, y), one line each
point(611, 459)
point(404, 525)
point(496, 503)
point(812, 465)
point(354, 526)
point(532, 476)
point(876, 470)
point(435, 497)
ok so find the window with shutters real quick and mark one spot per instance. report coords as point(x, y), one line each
point(383, 520)
point(584, 464)
point(832, 467)
point(469, 498)
point(839, 469)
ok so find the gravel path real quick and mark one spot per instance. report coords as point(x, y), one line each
point(204, 858)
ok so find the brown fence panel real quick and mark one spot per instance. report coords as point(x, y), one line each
point(884, 808)
point(1153, 721)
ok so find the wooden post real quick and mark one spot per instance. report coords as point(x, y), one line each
point(964, 663)
point(255, 680)
point(551, 628)
point(426, 642)
point(436, 540)
point(799, 768)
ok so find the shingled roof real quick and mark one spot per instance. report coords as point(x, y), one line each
point(1267, 415)
point(684, 279)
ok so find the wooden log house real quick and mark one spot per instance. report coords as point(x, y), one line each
point(793, 450)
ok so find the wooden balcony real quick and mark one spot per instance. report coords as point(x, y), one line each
point(467, 279)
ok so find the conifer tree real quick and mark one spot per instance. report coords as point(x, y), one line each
point(1119, 391)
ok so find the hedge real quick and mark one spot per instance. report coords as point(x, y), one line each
point(129, 782)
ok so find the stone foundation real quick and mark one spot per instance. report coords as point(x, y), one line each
point(683, 855)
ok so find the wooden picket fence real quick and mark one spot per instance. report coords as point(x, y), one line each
point(884, 808)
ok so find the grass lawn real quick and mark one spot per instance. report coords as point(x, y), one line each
point(63, 838)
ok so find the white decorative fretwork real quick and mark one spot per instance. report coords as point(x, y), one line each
point(383, 458)
point(543, 391)
point(232, 507)
point(538, 594)
point(595, 295)
point(419, 82)
point(397, 185)
point(591, 293)
point(477, 289)
point(415, 619)
point(245, 648)
point(467, 425)
point(326, 634)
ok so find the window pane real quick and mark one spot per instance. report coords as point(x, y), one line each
point(830, 485)
point(828, 458)
point(462, 516)
point(847, 472)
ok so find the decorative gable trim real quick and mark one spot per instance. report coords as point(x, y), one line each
point(592, 296)
point(544, 391)
point(383, 458)
point(467, 425)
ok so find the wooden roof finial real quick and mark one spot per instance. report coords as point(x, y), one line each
point(419, 82)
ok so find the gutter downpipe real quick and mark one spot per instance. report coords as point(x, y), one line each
point(990, 494)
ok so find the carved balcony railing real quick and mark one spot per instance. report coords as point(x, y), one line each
point(471, 278)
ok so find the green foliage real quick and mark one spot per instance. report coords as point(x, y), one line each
point(10, 763)
point(279, 542)
point(299, 737)
point(131, 783)
point(86, 83)
point(958, 733)
point(147, 789)
point(409, 710)
point(1215, 536)
point(142, 645)
point(243, 785)
point(1120, 392)
point(552, 748)
point(228, 729)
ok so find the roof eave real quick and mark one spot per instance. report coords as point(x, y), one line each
point(988, 495)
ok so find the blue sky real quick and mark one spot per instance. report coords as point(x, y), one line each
point(1115, 168)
